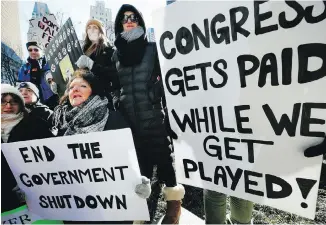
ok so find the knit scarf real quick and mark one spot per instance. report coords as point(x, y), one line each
point(90, 116)
point(8, 122)
point(133, 34)
point(131, 46)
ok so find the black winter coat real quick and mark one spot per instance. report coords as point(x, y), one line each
point(105, 70)
point(41, 111)
point(141, 101)
point(29, 128)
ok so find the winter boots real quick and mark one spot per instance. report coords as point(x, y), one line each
point(173, 196)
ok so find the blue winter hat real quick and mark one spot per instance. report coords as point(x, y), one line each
point(31, 86)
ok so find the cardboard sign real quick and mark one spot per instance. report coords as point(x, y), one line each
point(62, 53)
point(245, 87)
point(43, 29)
point(88, 177)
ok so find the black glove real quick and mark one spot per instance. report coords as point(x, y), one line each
point(170, 132)
point(20, 194)
point(316, 150)
point(116, 103)
point(116, 99)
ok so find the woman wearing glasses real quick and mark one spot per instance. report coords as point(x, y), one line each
point(140, 102)
point(34, 70)
point(97, 57)
point(16, 125)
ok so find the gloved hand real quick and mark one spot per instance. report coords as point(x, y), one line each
point(116, 99)
point(20, 194)
point(316, 150)
point(85, 62)
point(168, 128)
point(143, 190)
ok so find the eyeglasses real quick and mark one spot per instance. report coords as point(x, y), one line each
point(133, 18)
point(12, 103)
point(33, 49)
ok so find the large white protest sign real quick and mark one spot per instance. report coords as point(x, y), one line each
point(88, 177)
point(43, 29)
point(245, 87)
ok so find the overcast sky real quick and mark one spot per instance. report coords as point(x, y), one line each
point(79, 11)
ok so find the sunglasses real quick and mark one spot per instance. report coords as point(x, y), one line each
point(33, 49)
point(12, 103)
point(133, 18)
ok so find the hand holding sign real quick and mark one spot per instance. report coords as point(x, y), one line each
point(316, 150)
point(20, 194)
point(143, 190)
point(85, 62)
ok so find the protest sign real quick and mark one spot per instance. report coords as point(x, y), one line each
point(62, 53)
point(43, 29)
point(21, 215)
point(245, 88)
point(87, 177)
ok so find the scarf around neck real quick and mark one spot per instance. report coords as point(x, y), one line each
point(8, 122)
point(90, 116)
point(131, 46)
point(133, 34)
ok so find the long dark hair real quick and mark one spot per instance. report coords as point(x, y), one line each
point(89, 77)
point(99, 47)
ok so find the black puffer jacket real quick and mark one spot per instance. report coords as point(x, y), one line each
point(141, 90)
point(140, 100)
point(29, 128)
point(104, 68)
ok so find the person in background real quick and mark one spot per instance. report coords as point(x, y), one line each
point(53, 85)
point(34, 71)
point(215, 209)
point(33, 105)
point(83, 109)
point(97, 57)
point(140, 100)
point(16, 125)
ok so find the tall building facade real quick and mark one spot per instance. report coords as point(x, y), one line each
point(168, 2)
point(11, 46)
point(105, 15)
point(150, 35)
point(40, 9)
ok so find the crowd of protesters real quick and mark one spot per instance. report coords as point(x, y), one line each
point(112, 89)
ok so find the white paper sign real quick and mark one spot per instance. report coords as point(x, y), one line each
point(230, 71)
point(88, 177)
point(43, 29)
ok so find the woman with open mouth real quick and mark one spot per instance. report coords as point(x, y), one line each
point(84, 109)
